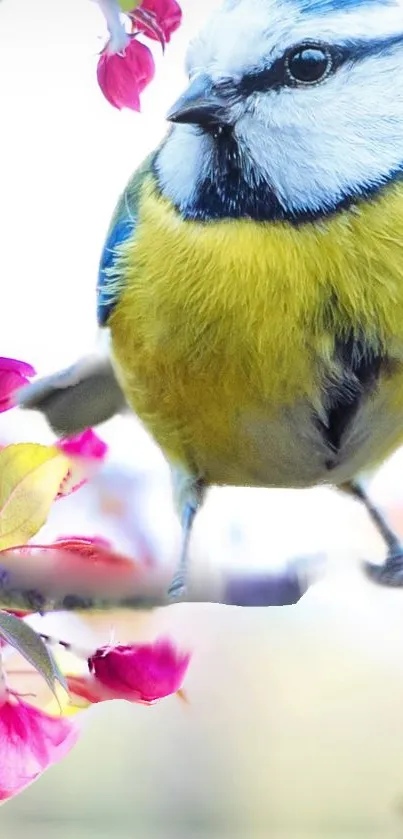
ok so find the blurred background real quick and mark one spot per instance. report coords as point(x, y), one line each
point(259, 751)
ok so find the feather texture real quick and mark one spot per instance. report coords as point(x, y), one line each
point(225, 338)
point(122, 226)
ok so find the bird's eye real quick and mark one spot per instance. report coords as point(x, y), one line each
point(308, 63)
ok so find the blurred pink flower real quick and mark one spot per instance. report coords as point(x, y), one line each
point(30, 742)
point(13, 375)
point(85, 565)
point(94, 557)
point(157, 19)
point(87, 444)
point(85, 545)
point(140, 673)
point(123, 76)
point(86, 452)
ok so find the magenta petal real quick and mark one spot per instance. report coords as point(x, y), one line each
point(16, 366)
point(140, 672)
point(167, 15)
point(13, 375)
point(105, 80)
point(9, 383)
point(30, 742)
point(123, 77)
point(87, 445)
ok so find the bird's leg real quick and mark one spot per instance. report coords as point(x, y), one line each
point(179, 580)
point(391, 572)
point(189, 495)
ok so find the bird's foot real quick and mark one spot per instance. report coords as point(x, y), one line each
point(177, 587)
point(390, 573)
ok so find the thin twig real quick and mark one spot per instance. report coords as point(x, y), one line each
point(272, 589)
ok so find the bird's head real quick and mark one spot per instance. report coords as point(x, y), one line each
point(294, 109)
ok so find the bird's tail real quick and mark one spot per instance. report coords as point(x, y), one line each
point(80, 397)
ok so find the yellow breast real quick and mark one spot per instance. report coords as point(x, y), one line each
point(221, 323)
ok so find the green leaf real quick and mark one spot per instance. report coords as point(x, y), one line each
point(129, 5)
point(28, 643)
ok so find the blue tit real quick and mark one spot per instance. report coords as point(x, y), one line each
point(252, 276)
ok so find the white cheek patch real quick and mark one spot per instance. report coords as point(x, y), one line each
point(313, 146)
point(183, 162)
point(317, 145)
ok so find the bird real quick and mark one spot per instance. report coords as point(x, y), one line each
point(251, 282)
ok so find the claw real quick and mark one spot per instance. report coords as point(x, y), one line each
point(390, 574)
point(177, 587)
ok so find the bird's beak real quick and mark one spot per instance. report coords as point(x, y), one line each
point(200, 105)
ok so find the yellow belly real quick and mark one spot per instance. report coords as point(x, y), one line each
point(224, 331)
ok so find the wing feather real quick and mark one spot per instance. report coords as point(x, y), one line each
point(122, 227)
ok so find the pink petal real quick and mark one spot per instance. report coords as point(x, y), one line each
point(16, 366)
point(9, 383)
point(86, 452)
point(123, 77)
point(140, 672)
point(90, 689)
point(167, 15)
point(87, 445)
point(13, 375)
point(30, 742)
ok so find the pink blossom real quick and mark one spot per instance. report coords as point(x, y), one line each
point(140, 673)
point(86, 452)
point(122, 77)
point(30, 742)
point(13, 375)
point(88, 566)
point(157, 19)
point(126, 66)
point(87, 445)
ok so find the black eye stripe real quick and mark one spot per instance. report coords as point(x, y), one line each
point(277, 76)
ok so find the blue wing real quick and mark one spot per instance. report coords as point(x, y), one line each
point(109, 282)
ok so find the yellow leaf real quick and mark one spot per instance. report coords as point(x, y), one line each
point(128, 5)
point(30, 477)
point(64, 706)
point(62, 702)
